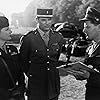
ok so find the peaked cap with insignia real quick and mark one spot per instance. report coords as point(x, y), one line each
point(44, 12)
point(91, 14)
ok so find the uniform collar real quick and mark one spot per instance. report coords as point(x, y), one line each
point(95, 46)
point(97, 43)
point(42, 33)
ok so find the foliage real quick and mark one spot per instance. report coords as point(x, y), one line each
point(64, 10)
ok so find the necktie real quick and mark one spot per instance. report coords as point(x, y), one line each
point(4, 48)
point(46, 38)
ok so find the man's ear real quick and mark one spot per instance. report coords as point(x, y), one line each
point(37, 20)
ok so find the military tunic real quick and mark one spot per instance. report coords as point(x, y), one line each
point(93, 83)
point(10, 56)
point(40, 62)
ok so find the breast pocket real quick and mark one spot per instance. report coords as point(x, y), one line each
point(55, 47)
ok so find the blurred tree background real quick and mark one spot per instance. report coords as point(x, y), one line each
point(64, 11)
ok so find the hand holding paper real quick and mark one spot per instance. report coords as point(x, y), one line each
point(79, 74)
point(80, 65)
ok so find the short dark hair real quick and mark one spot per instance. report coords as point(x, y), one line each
point(3, 22)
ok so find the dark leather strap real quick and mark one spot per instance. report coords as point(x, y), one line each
point(6, 66)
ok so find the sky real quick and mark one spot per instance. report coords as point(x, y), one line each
point(7, 7)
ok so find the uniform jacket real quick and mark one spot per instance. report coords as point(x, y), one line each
point(40, 62)
point(11, 59)
point(94, 60)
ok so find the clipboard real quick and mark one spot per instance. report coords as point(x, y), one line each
point(71, 71)
point(81, 65)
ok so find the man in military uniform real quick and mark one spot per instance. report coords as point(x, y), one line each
point(92, 28)
point(39, 53)
point(10, 71)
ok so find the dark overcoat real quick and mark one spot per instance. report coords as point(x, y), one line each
point(11, 59)
point(40, 62)
point(93, 83)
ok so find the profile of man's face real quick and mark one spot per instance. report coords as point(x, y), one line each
point(45, 23)
point(91, 30)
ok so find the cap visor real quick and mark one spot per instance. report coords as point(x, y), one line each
point(44, 15)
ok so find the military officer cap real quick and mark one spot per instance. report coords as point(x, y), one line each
point(92, 14)
point(45, 12)
point(3, 22)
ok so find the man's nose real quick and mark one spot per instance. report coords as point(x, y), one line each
point(47, 22)
point(10, 31)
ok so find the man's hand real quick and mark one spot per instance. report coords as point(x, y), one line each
point(80, 65)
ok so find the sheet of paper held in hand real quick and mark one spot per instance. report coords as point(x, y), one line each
point(79, 65)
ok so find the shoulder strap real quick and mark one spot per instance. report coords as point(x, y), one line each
point(12, 79)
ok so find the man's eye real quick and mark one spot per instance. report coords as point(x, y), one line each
point(49, 19)
point(43, 20)
point(7, 29)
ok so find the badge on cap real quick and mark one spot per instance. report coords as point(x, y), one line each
point(44, 12)
point(91, 14)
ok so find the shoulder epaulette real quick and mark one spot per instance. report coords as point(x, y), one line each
point(31, 32)
point(27, 35)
